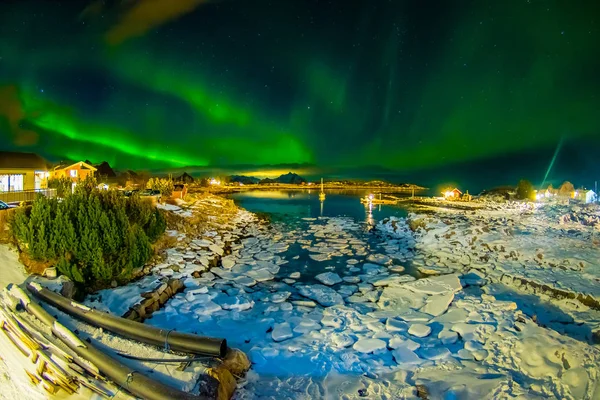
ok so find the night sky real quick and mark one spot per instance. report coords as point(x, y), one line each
point(401, 85)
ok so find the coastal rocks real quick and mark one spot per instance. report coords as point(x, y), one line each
point(323, 295)
point(153, 300)
point(369, 345)
point(328, 278)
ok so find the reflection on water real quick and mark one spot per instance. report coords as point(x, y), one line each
point(306, 203)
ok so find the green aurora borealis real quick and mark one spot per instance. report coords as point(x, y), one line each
point(400, 84)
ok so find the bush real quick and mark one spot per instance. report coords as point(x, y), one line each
point(92, 236)
point(525, 190)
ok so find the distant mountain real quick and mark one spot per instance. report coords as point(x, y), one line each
point(289, 179)
point(246, 180)
point(104, 169)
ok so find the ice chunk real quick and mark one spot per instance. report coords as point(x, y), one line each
point(332, 321)
point(438, 304)
point(369, 345)
point(342, 340)
point(295, 275)
point(435, 353)
point(322, 294)
point(379, 258)
point(435, 285)
point(405, 356)
point(281, 332)
point(351, 279)
point(419, 330)
point(395, 325)
point(328, 278)
point(278, 297)
point(307, 325)
point(448, 337)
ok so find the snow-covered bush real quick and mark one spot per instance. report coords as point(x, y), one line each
point(92, 236)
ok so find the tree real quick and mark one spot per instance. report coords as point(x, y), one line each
point(525, 190)
point(566, 189)
point(63, 186)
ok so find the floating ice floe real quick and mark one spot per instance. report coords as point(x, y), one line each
point(328, 278)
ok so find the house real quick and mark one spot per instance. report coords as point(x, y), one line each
point(22, 172)
point(586, 196)
point(77, 171)
point(185, 178)
point(179, 191)
point(453, 194)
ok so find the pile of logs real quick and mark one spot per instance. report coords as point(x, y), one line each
point(53, 367)
point(154, 300)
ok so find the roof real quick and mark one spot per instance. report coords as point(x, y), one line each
point(9, 159)
point(80, 164)
point(456, 190)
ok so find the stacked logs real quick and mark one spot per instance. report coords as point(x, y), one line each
point(154, 300)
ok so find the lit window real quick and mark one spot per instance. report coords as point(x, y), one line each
point(15, 183)
point(73, 173)
point(3, 183)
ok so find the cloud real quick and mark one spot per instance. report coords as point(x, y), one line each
point(144, 15)
point(12, 114)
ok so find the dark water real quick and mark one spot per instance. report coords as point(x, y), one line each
point(302, 204)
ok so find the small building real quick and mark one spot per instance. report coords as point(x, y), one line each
point(185, 178)
point(22, 172)
point(179, 191)
point(453, 194)
point(78, 171)
point(585, 196)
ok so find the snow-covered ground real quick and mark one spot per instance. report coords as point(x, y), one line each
point(327, 308)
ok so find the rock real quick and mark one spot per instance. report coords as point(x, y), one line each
point(113, 284)
point(419, 330)
point(323, 295)
point(369, 345)
point(448, 337)
point(328, 278)
point(68, 289)
point(281, 332)
point(438, 304)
